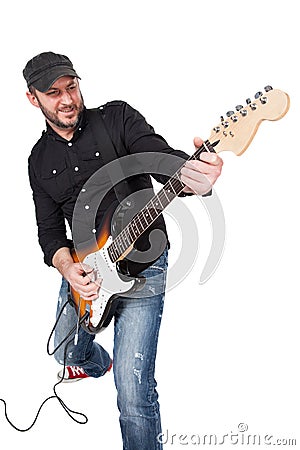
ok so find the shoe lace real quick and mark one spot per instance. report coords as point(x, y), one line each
point(76, 371)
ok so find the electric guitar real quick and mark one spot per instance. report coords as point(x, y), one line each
point(235, 132)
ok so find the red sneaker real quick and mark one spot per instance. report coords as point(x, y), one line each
point(75, 373)
point(72, 373)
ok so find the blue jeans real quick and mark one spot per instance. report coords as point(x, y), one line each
point(136, 328)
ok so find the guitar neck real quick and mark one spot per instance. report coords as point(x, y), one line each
point(124, 241)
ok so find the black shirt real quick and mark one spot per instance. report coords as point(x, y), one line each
point(58, 169)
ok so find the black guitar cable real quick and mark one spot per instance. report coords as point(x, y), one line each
point(72, 414)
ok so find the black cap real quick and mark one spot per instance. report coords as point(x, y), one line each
point(44, 69)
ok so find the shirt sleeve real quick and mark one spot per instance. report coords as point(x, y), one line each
point(50, 220)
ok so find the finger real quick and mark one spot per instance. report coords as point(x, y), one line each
point(198, 142)
point(197, 186)
point(88, 291)
point(92, 276)
point(198, 167)
point(84, 280)
point(98, 282)
point(91, 286)
point(89, 297)
point(86, 268)
point(210, 158)
point(193, 181)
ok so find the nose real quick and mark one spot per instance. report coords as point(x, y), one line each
point(66, 98)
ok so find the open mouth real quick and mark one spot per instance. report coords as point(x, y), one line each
point(67, 111)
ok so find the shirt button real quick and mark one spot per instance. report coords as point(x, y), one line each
point(70, 144)
point(76, 169)
point(54, 171)
point(79, 129)
point(97, 154)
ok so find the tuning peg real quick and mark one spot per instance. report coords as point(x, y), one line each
point(248, 101)
point(239, 107)
point(268, 88)
point(229, 113)
point(258, 94)
point(263, 99)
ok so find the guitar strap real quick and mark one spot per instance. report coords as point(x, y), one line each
point(109, 153)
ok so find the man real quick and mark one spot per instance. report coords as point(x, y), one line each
point(60, 164)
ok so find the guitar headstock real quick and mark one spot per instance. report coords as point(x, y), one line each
point(236, 131)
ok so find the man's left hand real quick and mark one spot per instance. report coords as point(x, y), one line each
point(199, 176)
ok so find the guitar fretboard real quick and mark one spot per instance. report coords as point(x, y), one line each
point(150, 212)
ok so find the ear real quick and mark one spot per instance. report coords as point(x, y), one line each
point(32, 98)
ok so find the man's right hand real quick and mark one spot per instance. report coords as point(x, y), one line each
point(81, 277)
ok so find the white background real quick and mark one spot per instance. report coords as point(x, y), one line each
point(228, 350)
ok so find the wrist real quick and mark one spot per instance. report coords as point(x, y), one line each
point(62, 259)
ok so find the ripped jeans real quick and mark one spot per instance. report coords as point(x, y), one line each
point(136, 328)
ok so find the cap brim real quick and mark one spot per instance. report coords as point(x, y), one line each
point(44, 83)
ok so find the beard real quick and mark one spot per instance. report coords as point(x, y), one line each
point(54, 119)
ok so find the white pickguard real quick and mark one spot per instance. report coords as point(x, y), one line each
point(111, 282)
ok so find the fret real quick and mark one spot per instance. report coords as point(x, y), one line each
point(163, 198)
point(116, 251)
point(157, 203)
point(168, 192)
point(135, 230)
point(126, 238)
point(147, 216)
point(127, 231)
point(143, 219)
point(178, 180)
point(117, 248)
point(122, 245)
point(171, 184)
point(154, 208)
point(111, 252)
point(130, 231)
point(149, 211)
point(140, 226)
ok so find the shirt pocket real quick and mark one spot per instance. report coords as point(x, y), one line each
point(92, 160)
point(57, 181)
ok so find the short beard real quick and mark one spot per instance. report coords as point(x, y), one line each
point(52, 117)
